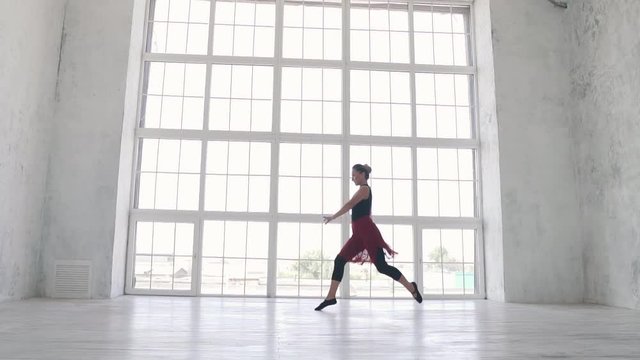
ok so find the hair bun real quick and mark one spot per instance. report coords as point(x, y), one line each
point(367, 167)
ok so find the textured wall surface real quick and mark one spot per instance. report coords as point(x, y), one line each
point(85, 151)
point(542, 249)
point(29, 47)
point(605, 73)
point(490, 155)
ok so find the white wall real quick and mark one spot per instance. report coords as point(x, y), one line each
point(541, 245)
point(30, 35)
point(85, 153)
point(605, 72)
point(490, 154)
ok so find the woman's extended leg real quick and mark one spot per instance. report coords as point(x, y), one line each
point(395, 274)
point(336, 278)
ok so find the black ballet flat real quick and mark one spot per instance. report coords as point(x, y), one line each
point(416, 295)
point(326, 303)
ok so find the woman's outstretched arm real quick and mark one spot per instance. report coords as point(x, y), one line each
point(360, 195)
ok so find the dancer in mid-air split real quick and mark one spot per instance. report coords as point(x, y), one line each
point(366, 242)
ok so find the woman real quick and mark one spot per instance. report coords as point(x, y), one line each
point(366, 243)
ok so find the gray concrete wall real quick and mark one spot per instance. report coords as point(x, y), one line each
point(541, 245)
point(490, 155)
point(29, 46)
point(605, 73)
point(85, 153)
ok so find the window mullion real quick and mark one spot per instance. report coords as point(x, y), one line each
point(417, 232)
point(346, 120)
point(275, 153)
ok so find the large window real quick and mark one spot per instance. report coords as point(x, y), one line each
point(251, 114)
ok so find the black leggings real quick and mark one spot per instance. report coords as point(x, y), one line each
point(380, 263)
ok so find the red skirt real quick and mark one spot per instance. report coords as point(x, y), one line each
point(363, 245)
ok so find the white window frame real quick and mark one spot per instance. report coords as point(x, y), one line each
point(345, 139)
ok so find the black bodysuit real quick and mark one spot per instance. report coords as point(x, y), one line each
point(363, 208)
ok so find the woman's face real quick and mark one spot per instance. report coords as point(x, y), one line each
point(357, 177)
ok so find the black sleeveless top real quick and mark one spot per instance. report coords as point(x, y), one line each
point(363, 208)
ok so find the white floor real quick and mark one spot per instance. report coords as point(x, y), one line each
point(229, 328)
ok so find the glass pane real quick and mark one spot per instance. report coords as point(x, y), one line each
point(402, 199)
point(381, 285)
point(431, 246)
point(331, 195)
point(445, 89)
point(236, 241)
point(381, 158)
point(331, 241)
point(451, 245)
point(244, 29)
point(241, 98)
point(422, 19)
point(307, 34)
point(360, 280)
point(233, 276)
point(320, 111)
point(428, 198)
point(453, 278)
point(311, 195)
point(469, 279)
point(311, 242)
point(467, 199)
point(288, 240)
point(460, 52)
point(445, 252)
point(288, 276)
point(433, 279)
point(173, 96)
point(163, 242)
point(424, 51)
point(182, 272)
point(289, 195)
point(259, 193)
point(256, 277)
point(213, 238)
point(258, 240)
point(290, 159)
point(184, 240)
point(468, 237)
point(377, 103)
point(215, 193)
point(260, 158)
point(403, 243)
point(162, 273)
point(399, 43)
point(378, 34)
point(237, 193)
point(188, 190)
point(211, 276)
point(178, 27)
point(144, 237)
point(449, 196)
point(463, 116)
point(142, 272)
point(235, 236)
